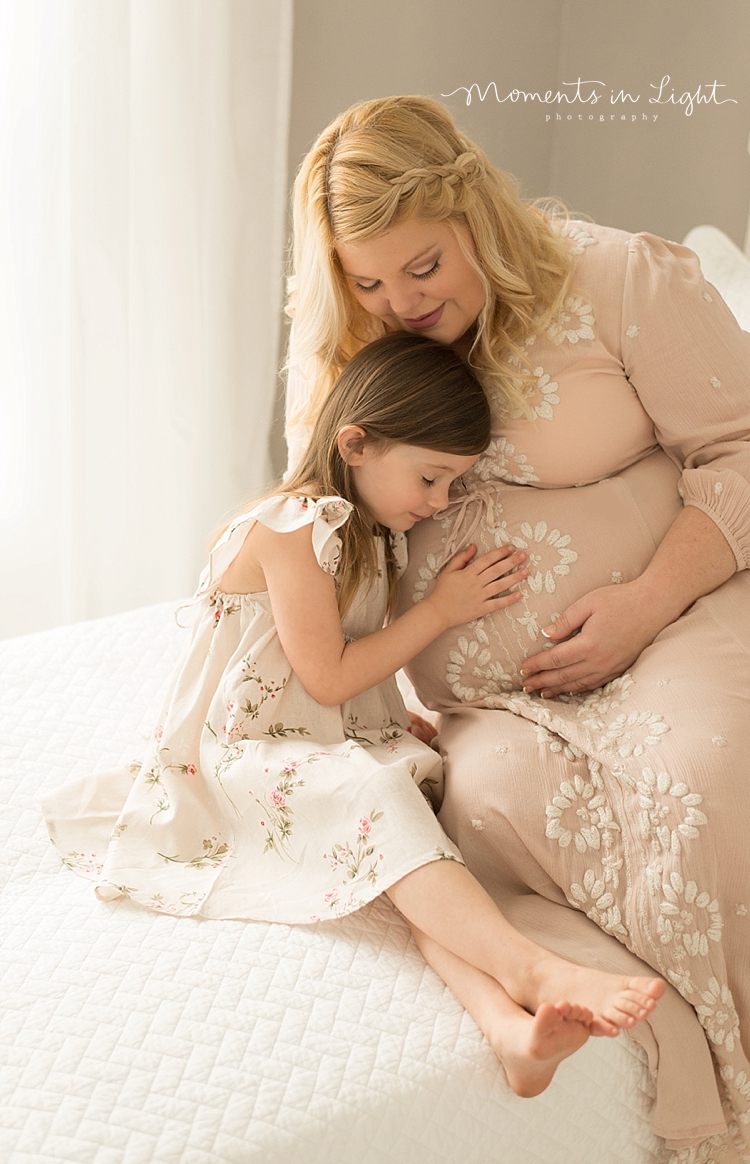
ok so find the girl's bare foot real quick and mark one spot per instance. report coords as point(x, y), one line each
point(531, 1047)
point(617, 1002)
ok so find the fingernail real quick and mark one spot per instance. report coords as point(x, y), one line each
point(547, 631)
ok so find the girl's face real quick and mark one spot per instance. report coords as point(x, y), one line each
point(416, 278)
point(401, 484)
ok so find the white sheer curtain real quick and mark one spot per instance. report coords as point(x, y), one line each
point(142, 209)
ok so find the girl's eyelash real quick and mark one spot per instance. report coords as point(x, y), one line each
point(427, 481)
point(424, 275)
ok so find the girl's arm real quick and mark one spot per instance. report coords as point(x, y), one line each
point(303, 599)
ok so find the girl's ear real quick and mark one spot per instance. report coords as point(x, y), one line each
point(351, 444)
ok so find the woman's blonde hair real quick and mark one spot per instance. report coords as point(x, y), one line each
point(401, 389)
point(394, 158)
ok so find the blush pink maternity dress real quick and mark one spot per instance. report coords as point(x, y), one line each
point(612, 824)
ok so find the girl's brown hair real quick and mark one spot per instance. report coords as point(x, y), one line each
point(401, 389)
point(386, 160)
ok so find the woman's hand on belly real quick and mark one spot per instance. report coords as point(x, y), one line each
point(615, 623)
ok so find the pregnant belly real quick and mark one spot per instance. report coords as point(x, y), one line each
point(576, 540)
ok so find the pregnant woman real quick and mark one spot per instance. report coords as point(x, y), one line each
point(595, 734)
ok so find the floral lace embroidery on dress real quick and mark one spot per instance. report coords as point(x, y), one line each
point(577, 312)
point(494, 464)
point(547, 390)
point(584, 818)
point(689, 923)
point(577, 234)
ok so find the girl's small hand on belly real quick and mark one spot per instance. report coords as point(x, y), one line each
point(592, 541)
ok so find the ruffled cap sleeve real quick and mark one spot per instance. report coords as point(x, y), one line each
point(330, 514)
point(284, 514)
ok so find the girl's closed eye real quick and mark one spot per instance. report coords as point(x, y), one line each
point(427, 481)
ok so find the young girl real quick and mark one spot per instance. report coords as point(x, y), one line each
point(282, 782)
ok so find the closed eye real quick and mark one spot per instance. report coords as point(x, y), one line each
point(428, 274)
point(421, 275)
point(427, 481)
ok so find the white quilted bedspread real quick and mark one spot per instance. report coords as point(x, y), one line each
point(128, 1037)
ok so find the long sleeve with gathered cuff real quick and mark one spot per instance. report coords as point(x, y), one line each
point(689, 362)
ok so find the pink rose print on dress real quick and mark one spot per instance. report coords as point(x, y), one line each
point(223, 604)
point(278, 813)
point(357, 862)
point(86, 863)
point(158, 732)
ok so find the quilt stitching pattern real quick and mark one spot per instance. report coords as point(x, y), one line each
point(132, 1038)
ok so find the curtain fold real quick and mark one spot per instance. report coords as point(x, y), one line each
point(149, 391)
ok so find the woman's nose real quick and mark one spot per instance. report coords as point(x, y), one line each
point(404, 301)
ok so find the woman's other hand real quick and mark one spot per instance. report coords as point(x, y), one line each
point(422, 728)
point(614, 624)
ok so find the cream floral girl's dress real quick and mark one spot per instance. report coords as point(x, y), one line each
point(254, 801)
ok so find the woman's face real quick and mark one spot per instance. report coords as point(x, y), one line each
point(416, 278)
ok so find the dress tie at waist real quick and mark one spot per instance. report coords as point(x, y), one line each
point(457, 510)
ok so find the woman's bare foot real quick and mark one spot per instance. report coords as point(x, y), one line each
point(531, 1047)
point(616, 1002)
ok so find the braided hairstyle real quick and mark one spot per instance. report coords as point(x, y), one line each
point(391, 159)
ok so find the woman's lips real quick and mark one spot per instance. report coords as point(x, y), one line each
point(426, 320)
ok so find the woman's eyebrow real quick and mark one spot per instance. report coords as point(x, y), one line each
point(405, 267)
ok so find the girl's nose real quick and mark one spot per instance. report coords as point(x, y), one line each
point(439, 498)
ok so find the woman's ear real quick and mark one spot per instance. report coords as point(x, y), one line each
point(351, 444)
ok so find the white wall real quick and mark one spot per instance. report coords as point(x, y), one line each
point(664, 177)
